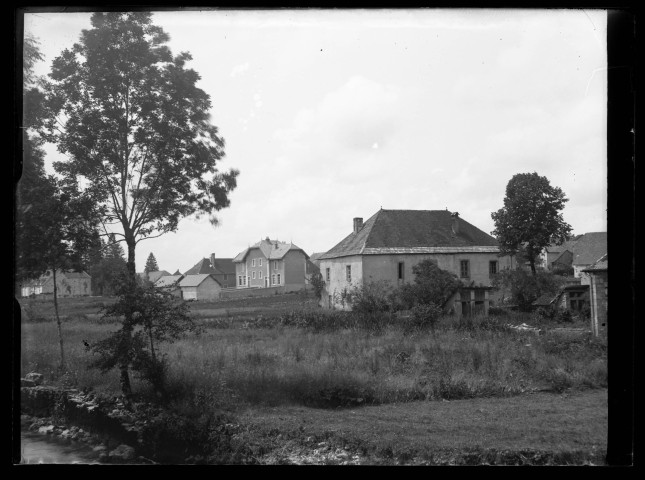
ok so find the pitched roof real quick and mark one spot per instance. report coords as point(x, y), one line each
point(589, 248)
point(220, 266)
point(195, 280)
point(600, 265)
point(413, 231)
point(315, 257)
point(153, 276)
point(61, 273)
point(271, 249)
point(168, 280)
point(225, 266)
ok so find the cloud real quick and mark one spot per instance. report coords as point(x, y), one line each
point(240, 69)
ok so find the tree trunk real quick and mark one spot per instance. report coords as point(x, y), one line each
point(58, 322)
point(128, 326)
point(532, 262)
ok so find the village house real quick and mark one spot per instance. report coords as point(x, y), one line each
point(222, 270)
point(200, 287)
point(597, 277)
point(391, 242)
point(152, 276)
point(170, 284)
point(68, 284)
point(587, 250)
point(271, 263)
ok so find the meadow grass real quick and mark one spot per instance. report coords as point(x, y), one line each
point(273, 362)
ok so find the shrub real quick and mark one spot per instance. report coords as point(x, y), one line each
point(370, 297)
point(423, 316)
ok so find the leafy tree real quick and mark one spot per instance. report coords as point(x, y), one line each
point(523, 288)
point(530, 217)
point(318, 284)
point(151, 264)
point(431, 285)
point(136, 131)
point(157, 317)
point(55, 224)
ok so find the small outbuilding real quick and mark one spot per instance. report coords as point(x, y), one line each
point(200, 287)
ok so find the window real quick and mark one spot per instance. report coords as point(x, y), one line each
point(260, 274)
point(273, 279)
point(401, 265)
point(327, 274)
point(348, 273)
point(253, 262)
point(260, 261)
point(279, 279)
point(253, 273)
point(239, 280)
point(492, 268)
point(275, 265)
point(464, 269)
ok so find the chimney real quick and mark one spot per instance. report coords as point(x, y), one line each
point(358, 224)
point(455, 222)
point(213, 260)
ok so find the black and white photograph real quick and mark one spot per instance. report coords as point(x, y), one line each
point(307, 236)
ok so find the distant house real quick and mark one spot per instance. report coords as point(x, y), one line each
point(222, 270)
point(68, 284)
point(170, 284)
point(270, 263)
point(153, 276)
point(391, 242)
point(200, 287)
point(586, 251)
point(33, 287)
point(597, 275)
point(557, 256)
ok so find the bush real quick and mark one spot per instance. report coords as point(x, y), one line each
point(370, 297)
point(422, 317)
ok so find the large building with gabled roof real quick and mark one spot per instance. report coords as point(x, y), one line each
point(271, 263)
point(391, 242)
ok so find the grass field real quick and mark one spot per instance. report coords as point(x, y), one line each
point(390, 392)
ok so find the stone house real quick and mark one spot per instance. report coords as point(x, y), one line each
point(587, 250)
point(68, 284)
point(222, 270)
point(200, 287)
point(391, 242)
point(170, 284)
point(271, 263)
point(597, 276)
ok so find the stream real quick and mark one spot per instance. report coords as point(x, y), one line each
point(36, 448)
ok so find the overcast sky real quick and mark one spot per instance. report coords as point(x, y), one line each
point(331, 115)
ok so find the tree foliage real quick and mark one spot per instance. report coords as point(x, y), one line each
point(531, 216)
point(136, 131)
point(151, 264)
point(522, 288)
point(318, 284)
point(149, 317)
point(109, 268)
point(431, 285)
point(136, 128)
point(55, 223)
